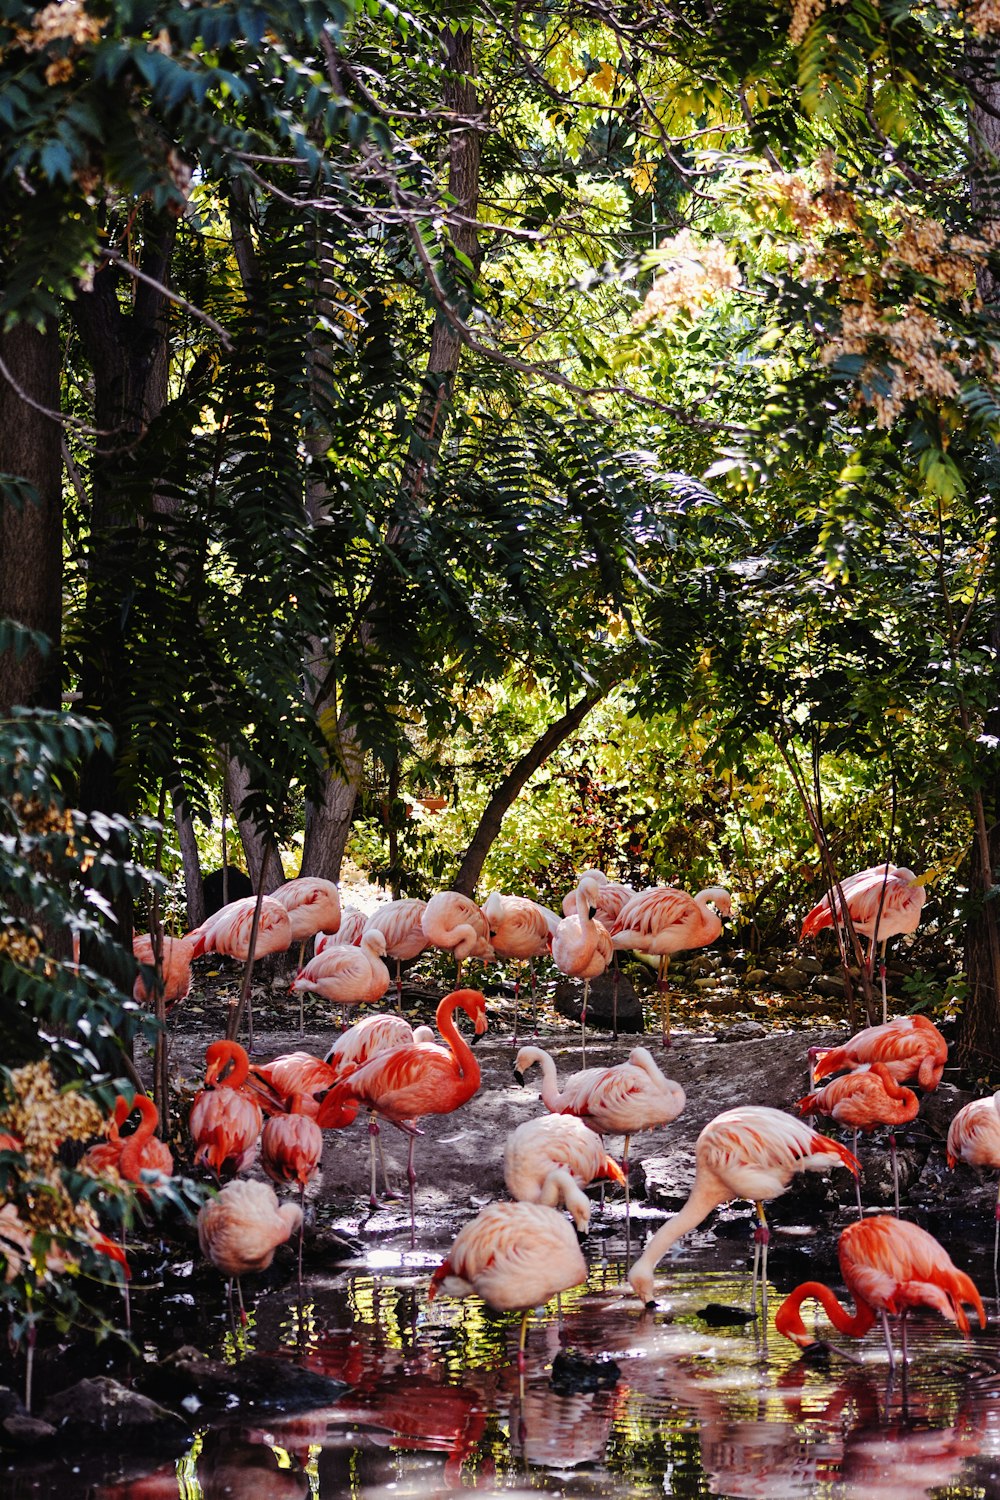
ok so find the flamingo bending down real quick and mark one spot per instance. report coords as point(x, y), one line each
point(134, 1154)
point(240, 1230)
point(348, 934)
point(228, 930)
point(582, 948)
point(291, 1148)
point(452, 922)
point(514, 1256)
point(408, 1082)
point(664, 920)
point(346, 975)
point(225, 1121)
point(888, 1266)
point(865, 1099)
point(552, 1144)
point(750, 1152)
point(175, 967)
point(399, 922)
point(313, 905)
point(294, 1076)
point(520, 929)
point(881, 902)
point(974, 1137)
point(910, 1047)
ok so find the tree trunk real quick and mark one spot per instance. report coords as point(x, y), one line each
point(31, 539)
point(260, 852)
point(474, 857)
point(195, 896)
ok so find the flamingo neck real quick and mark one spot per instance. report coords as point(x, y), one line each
point(561, 1187)
point(789, 1318)
point(705, 1195)
point(551, 1097)
point(468, 1068)
point(221, 1053)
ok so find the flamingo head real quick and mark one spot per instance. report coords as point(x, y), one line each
point(720, 899)
point(218, 1057)
point(492, 910)
point(373, 942)
point(587, 895)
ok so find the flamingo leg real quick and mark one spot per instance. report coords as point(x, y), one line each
point(761, 1237)
point(583, 1024)
point(664, 994)
point(411, 1178)
point(302, 996)
point(902, 1336)
point(534, 998)
point(996, 1244)
point(888, 1342)
point(614, 996)
point(399, 987)
point(373, 1132)
point(895, 1170)
point(249, 1023)
point(302, 1227)
point(857, 1180)
point(243, 1311)
point(125, 1293)
point(517, 992)
point(628, 1200)
point(521, 1361)
point(389, 1192)
point(881, 973)
point(458, 974)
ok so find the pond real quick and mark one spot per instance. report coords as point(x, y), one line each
point(435, 1407)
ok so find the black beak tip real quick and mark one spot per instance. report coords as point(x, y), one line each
point(593, 912)
point(581, 1235)
point(651, 1305)
point(519, 1078)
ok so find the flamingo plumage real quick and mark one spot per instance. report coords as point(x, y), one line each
point(665, 920)
point(228, 930)
point(520, 929)
point(864, 1100)
point(974, 1137)
point(911, 1047)
point(225, 1122)
point(882, 902)
point(400, 923)
point(457, 925)
point(345, 975)
point(556, 1143)
point(313, 906)
point(175, 967)
point(348, 934)
point(240, 1229)
point(582, 948)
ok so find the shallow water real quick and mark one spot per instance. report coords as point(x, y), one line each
point(435, 1405)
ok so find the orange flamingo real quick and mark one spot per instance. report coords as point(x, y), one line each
point(292, 1076)
point(457, 925)
point(910, 1047)
point(400, 923)
point(556, 1143)
point(134, 1154)
point(888, 1266)
point(582, 948)
point(520, 929)
point(664, 920)
point(313, 905)
point(370, 1035)
point(865, 1099)
point(881, 902)
point(620, 1100)
point(750, 1152)
point(225, 1122)
point(514, 1256)
point(408, 1082)
point(974, 1137)
point(240, 1229)
point(228, 930)
point(175, 967)
point(291, 1148)
point(346, 975)
point(348, 935)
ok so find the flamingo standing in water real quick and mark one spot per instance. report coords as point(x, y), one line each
point(881, 902)
point(865, 1099)
point(225, 1121)
point(346, 975)
point(751, 1152)
point(888, 1266)
point(911, 1047)
point(400, 923)
point(175, 967)
point(582, 948)
point(240, 1230)
point(664, 920)
point(514, 1256)
point(520, 929)
point(408, 1082)
point(974, 1137)
point(556, 1144)
point(348, 934)
point(457, 925)
point(313, 905)
point(291, 1148)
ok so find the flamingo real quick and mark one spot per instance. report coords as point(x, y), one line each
point(865, 1099)
point(175, 967)
point(240, 1229)
point(291, 1148)
point(313, 905)
point(582, 948)
point(348, 935)
point(399, 922)
point(750, 1152)
point(520, 929)
point(408, 1082)
point(228, 930)
point(225, 1122)
point(294, 1076)
point(552, 1144)
point(514, 1256)
point(612, 895)
point(346, 975)
point(888, 1266)
point(910, 1047)
point(974, 1137)
point(368, 1036)
point(452, 922)
point(881, 902)
point(620, 1100)
point(664, 920)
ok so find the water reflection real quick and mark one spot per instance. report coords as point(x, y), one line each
point(434, 1406)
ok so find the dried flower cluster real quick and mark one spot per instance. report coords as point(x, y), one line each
point(694, 271)
point(18, 947)
point(63, 20)
point(804, 13)
point(983, 16)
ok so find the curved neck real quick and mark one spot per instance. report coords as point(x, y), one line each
point(221, 1053)
point(460, 1049)
point(789, 1318)
point(136, 1144)
point(561, 1187)
point(551, 1097)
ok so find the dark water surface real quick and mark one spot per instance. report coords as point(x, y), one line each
point(435, 1406)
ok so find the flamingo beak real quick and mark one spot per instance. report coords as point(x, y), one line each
point(593, 912)
point(519, 1078)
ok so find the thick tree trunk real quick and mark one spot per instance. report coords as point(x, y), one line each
point(31, 539)
point(474, 857)
point(260, 853)
point(194, 894)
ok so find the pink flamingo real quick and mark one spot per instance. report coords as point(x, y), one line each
point(556, 1143)
point(228, 930)
point(455, 924)
point(612, 895)
point(348, 934)
point(974, 1137)
point(239, 1230)
point(313, 905)
point(911, 1047)
point(291, 1148)
point(520, 929)
point(751, 1152)
point(664, 920)
point(175, 967)
point(400, 923)
point(408, 1082)
point(865, 1099)
point(345, 975)
point(225, 1122)
point(582, 948)
point(881, 902)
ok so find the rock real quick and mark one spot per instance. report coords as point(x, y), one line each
point(699, 967)
point(190, 1379)
point(10, 1403)
point(742, 1031)
point(21, 1431)
point(708, 983)
point(238, 885)
point(667, 1180)
point(790, 980)
point(807, 964)
point(568, 1000)
point(755, 976)
point(829, 984)
point(98, 1408)
point(938, 1109)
